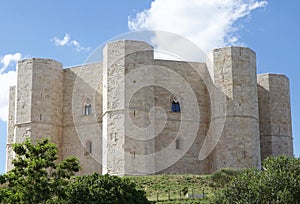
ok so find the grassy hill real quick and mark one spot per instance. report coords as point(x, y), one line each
point(173, 188)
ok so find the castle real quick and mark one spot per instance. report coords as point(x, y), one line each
point(135, 115)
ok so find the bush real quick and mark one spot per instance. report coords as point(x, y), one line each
point(222, 177)
point(106, 189)
point(277, 182)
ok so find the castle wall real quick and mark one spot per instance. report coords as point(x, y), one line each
point(39, 100)
point(116, 116)
point(23, 99)
point(10, 128)
point(275, 115)
point(47, 98)
point(235, 76)
point(188, 127)
point(82, 134)
point(153, 82)
point(123, 152)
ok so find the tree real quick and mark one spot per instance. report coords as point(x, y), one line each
point(104, 189)
point(37, 177)
point(277, 182)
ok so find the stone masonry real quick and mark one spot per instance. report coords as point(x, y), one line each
point(119, 117)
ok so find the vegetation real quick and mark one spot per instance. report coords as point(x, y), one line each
point(277, 182)
point(159, 187)
point(104, 189)
point(37, 177)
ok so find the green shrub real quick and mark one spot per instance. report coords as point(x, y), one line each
point(222, 177)
point(104, 189)
point(277, 182)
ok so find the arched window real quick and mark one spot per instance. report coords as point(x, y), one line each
point(87, 107)
point(175, 105)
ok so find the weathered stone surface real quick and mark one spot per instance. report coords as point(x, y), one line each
point(275, 115)
point(116, 116)
point(235, 75)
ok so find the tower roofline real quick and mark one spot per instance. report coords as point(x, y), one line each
point(233, 47)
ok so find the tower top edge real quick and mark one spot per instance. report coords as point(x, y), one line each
point(272, 75)
point(34, 59)
point(233, 48)
point(128, 42)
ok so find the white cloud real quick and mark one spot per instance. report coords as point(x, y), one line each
point(207, 23)
point(9, 59)
point(66, 41)
point(7, 79)
point(61, 42)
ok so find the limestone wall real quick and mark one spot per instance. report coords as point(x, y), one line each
point(38, 100)
point(122, 151)
point(23, 99)
point(188, 128)
point(275, 115)
point(235, 76)
point(82, 133)
point(116, 116)
point(10, 128)
point(142, 134)
point(47, 98)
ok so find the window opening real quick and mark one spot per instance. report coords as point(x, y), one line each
point(175, 105)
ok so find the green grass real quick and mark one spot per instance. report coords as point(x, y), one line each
point(160, 186)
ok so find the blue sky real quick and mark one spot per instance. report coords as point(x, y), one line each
point(69, 31)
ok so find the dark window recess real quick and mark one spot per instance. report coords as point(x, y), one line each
point(177, 144)
point(89, 147)
point(88, 109)
point(175, 106)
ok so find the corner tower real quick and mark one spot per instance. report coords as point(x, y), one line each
point(235, 76)
point(275, 115)
point(38, 100)
point(122, 153)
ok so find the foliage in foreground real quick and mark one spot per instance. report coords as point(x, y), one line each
point(220, 178)
point(277, 182)
point(36, 176)
point(104, 189)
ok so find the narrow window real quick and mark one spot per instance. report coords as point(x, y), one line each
point(87, 107)
point(177, 144)
point(89, 147)
point(175, 105)
point(41, 117)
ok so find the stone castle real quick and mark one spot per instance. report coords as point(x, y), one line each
point(133, 114)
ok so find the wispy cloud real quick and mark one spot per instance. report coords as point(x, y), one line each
point(61, 42)
point(66, 41)
point(209, 24)
point(9, 60)
point(7, 79)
